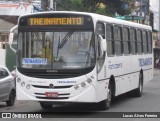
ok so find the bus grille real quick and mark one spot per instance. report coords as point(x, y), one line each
point(55, 87)
point(52, 98)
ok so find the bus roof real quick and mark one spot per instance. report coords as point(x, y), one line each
point(97, 17)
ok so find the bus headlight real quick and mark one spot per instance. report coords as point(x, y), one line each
point(89, 80)
point(83, 84)
point(28, 86)
point(18, 80)
point(22, 84)
point(76, 87)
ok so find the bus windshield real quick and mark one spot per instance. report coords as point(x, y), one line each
point(56, 50)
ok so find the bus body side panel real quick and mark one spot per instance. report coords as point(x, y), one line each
point(126, 70)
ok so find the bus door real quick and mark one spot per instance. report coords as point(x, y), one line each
point(101, 51)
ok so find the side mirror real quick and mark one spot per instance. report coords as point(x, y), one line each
point(102, 46)
point(11, 38)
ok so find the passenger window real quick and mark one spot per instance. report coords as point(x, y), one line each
point(132, 41)
point(110, 41)
point(149, 41)
point(100, 29)
point(126, 41)
point(144, 42)
point(118, 40)
point(139, 41)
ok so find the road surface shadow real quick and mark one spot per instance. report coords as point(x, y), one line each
point(87, 107)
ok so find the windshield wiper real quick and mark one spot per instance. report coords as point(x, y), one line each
point(63, 42)
point(65, 39)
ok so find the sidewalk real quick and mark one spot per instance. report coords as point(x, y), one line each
point(156, 71)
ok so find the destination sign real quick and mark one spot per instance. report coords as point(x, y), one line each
point(56, 21)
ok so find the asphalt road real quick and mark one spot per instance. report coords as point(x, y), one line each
point(149, 102)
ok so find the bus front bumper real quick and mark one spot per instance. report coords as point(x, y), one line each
point(83, 94)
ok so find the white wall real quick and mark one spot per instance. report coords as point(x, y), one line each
point(154, 7)
point(3, 56)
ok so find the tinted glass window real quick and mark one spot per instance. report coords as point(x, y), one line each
point(139, 41)
point(149, 42)
point(144, 42)
point(110, 41)
point(118, 40)
point(132, 41)
point(125, 41)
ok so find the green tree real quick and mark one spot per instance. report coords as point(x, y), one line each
point(111, 6)
point(106, 7)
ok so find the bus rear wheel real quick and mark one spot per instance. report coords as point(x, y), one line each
point(138, 92)
point(106, 104)
point(45, 105)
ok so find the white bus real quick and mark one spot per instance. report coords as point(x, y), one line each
point(77, 57)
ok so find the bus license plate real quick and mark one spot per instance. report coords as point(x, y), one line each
point(51, 94)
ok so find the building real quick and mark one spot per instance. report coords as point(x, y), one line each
point(5, 27)
point(9, 13)
point(154, 22)
point(11, 10)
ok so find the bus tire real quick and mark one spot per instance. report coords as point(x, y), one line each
point(45, 105)
point(12, 97)
point(138, 92)
point(106, 104)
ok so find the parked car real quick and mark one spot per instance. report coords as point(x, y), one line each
point(14, 75)
point(7, 87)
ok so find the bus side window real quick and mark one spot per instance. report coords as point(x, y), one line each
point(118, 40)
point(139, 41)
point(133, 41)
point(110, 41)
point(144, 42)
point(100, 29)
point(126, 42)
point(149, 41)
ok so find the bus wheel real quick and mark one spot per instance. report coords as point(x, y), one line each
point(106, 104)
point(45, 105)
point(12, 97)
point(138, 92)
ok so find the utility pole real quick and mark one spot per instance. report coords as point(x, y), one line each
point(148, 7)
point(54, 5)
point(159, 21)
point(147, 15)
point(45, 5)
point(48, 5)
point(140, 11)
